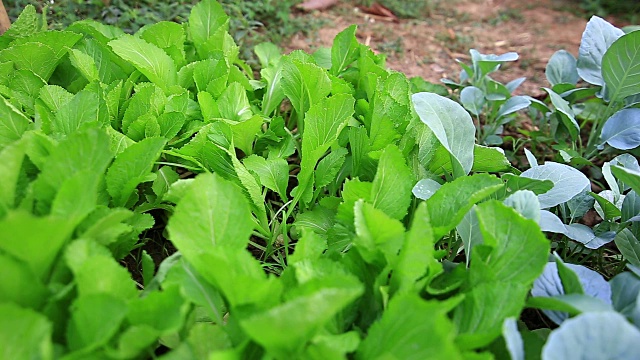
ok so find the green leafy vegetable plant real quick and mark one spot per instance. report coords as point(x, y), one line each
point(324, 208)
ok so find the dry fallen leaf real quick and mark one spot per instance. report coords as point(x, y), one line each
point(379, 10)
point(317, 4)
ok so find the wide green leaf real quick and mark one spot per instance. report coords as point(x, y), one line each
point(40, 53)
point(86, 150)
point(169, 303)
point(24, 334)
point(377, 233)
point(451, 202)
point(392, 185)
point(304, 83)
point(13, 123)
point(324, 290)
point(344, 50)
point(95, 319)
point(324, 122)
point(131, 167)
point(212, 213)
point(629, 246)
point(411, 328)
point(11, 160)
point(621, 66)
point(520, 249)
point(206, 18)
point(273, 173)
point(150, 60)
point(416, 255)
point(513, 254)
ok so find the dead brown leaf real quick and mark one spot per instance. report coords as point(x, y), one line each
point(310, 5)
point(379, 10)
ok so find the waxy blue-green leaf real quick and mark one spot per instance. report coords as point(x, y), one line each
point(213, 212)
point(512, 105)
point(568, 182)
point(13, 123)
point(526, 203)
point(472, 98)
point(411, 328)
point(581, 233)
point(452, 126)
point(564, 111)
point(596, 39)
point(592, 336)
point(621, 67)
point(622, 130)
point(562, 68)
point(150, 60)
point(24, 334)
point(452, 201)
point(131, 167)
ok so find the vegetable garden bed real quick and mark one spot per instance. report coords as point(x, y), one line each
point(323, 207)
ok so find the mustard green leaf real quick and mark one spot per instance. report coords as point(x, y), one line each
point(13, 123)
point(205, 19)
point(411, 328)
point(344, 50)
point(273, 173)
point(131, 167)
point(168, 302)
point(89, 328)
point(304, 83)
point(392, 185)
point(416, 255)
point(451, 202)
point(212, 213)
point(24, 334)
point(150, 60)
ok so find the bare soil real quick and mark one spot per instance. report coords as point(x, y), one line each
point(430, 45)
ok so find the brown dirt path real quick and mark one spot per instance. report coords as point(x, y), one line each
point(429, 46)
